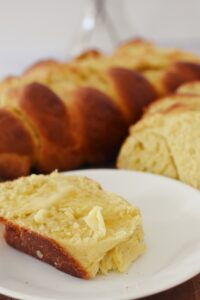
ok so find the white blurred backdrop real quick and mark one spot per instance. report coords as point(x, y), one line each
point(34, 29)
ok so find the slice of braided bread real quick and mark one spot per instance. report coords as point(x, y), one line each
point(71, 223)
point(66, 115)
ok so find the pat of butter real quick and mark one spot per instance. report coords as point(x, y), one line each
point(95, 221)
point(40, 215)
point(70, 214)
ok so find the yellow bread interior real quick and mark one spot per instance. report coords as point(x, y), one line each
point(166, 144)
point(100, 230)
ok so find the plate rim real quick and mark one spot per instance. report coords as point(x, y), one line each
point(172, 284)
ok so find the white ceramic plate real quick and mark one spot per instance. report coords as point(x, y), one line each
point(171, 214)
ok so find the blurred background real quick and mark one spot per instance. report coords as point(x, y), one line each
point(32, 30)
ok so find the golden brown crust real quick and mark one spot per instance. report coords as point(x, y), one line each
point(158, 101)
point(47, 112)
point(103, 125)
point(44, 249)
point(134, 91)
point(41, 64)
point(92, 53)
point(13, 166)
point(133, 42)
point(180, 73)
point(49, 118)
point(16, 146)
point(13, 135)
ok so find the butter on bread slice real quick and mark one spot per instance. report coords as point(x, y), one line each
point(71, 223)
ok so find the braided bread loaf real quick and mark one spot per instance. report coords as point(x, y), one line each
point(166, 140)
point(64, 115)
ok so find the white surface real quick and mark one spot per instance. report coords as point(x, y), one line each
point(170, 212)
point(33, 29)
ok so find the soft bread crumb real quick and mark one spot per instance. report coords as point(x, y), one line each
point(166, 140)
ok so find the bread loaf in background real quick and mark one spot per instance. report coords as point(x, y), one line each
point(166, 140)
point(65, 115)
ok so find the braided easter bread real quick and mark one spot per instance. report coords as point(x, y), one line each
point(61, 126)
point(65, 115)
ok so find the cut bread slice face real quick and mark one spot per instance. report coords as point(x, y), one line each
point(166, 144)
point(71, 223)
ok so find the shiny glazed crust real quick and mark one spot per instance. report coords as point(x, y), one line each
point(16, 146)
point(87, 128)
point(179, 73)
point(56, 125)
point(43, 249)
